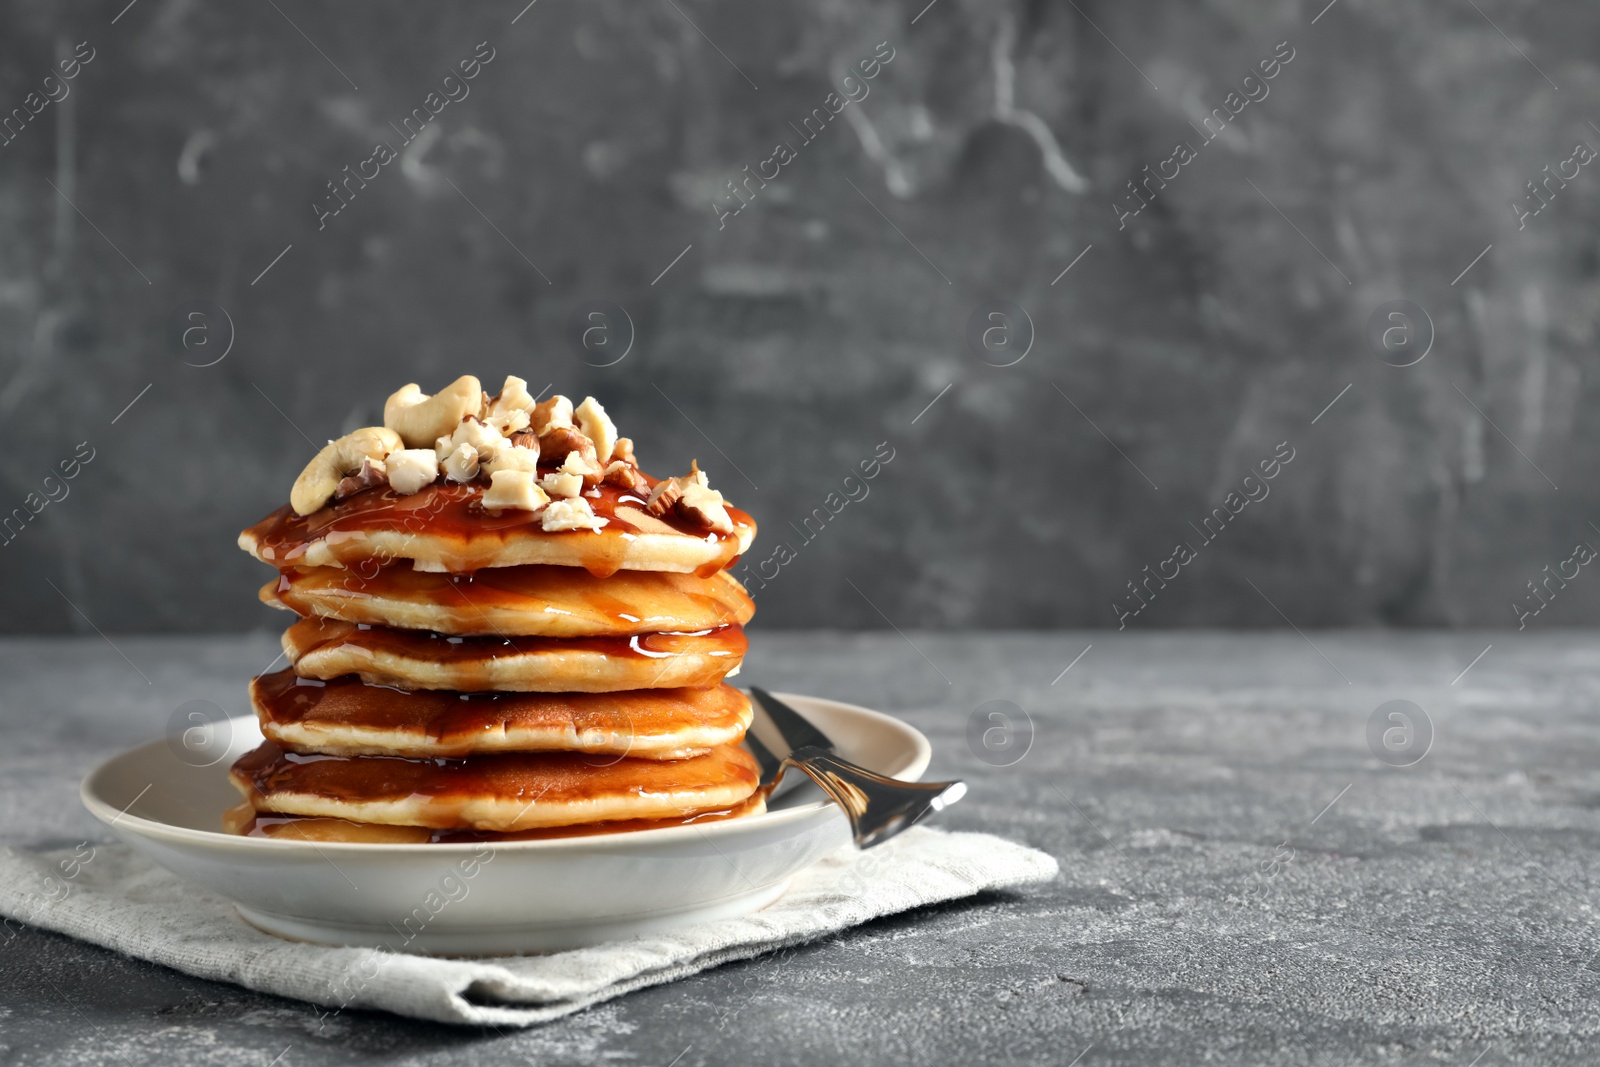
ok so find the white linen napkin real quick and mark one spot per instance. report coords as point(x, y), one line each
point(124, 902)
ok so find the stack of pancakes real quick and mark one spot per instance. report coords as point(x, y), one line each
point(476, 659)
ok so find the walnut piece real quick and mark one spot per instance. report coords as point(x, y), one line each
point(704, 506)
point(664, 496)
point(623, 450)
point(624, 476)
point(560, 440)
point(372, 473)
point(552, 414)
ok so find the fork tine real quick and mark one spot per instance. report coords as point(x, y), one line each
point(878, 807)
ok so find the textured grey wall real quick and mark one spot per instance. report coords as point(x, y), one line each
point(991, 152)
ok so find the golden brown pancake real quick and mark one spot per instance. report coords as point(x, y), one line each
point(504, 792)
point(414, 659)
point(345, 717)
point(244, 820)
point(534, 600)
point(444, 528)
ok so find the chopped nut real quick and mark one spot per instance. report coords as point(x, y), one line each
point(508, 422)
point(372, 473)
point(562, 485)
point(477, 433)
point(410, 469)
point(705, 507)
point(559, 440)
point(473, 431)
point(513, 489)
point(513, 397)
point(597, 427)
point(697, 475)
point(462, 464)
point(570, 515)
point(623, 450)
point(524, 439)
point(623, 475)
point(555, 412)
point(509, 457)
point(664, 496)
point(584, 467)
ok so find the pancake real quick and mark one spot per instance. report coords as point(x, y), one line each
point(503, 792)
point(415, 659)
point(344, 717)
point(532, 600)
point(245, 821)
point(445, 528)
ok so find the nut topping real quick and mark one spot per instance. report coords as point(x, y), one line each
point(560, 440)
point(462, 464)
point(597, 427)
point(513, 397)
point(562, 485)
point(420, 419)
point(570, 515)
point(508, 457)
point(624, 476)
point(555, 412)
point(321, 477)
point(664, 497)
point(411, 469)
point(704, 506)
point(371, 473)
point(513, 489)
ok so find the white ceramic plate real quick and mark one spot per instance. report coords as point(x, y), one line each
point(480, 899)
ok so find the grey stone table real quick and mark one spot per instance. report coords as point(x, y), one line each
point(1244, 880)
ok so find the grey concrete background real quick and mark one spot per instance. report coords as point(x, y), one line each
point(1243, 880)
point(791, 339)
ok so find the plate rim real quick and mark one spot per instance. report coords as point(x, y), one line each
point(922, 754)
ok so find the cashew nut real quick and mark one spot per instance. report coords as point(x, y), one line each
point(337, 459)
point(513, 396)
point(420, 419)
point(597, 427)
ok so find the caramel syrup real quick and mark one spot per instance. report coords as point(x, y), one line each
point(455, 724)
point(561, 601)
point(454, 514)
point(309, 635)
point(552, 778)
point(309, 828)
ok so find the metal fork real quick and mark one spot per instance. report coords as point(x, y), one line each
point(877, 806)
